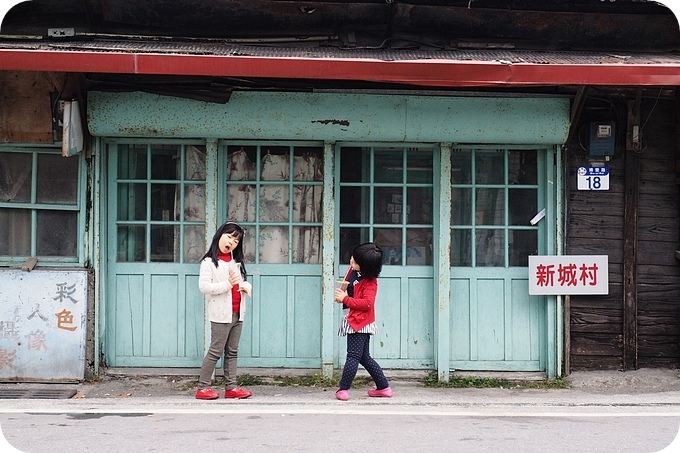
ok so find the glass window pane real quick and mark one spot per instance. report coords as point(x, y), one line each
point(419, 167)
point(490, 207)
point(461, 248)
point(308, 164)
point(273, 243)
point(15, 177)
point(57, 233)
point(163, 205)
point(522, 244)
point(131, 201)
point(355, 165)
point(278, 203)
point(350, 238)
point(248, 244)
point(194, 202)
point(307, 202)
point(490, 246)
point(274, 203)
point(306, 245)
point(461, 207)
point(132, 162)
point(275, 164)
point(389, 205)
point(522, 206)
point(392, 255)
point(15, 232)
point(241, 203)
point(131, 244)
point(419, 205)
point(522, 167)
point(57, 180)
point(240, 163)
point(389, 165)
point(490, 167)
point(354, 203)
point(461, 167)
point(194, 159)
point(194, 243)
point(419, 247)
point(165, 243)
point(389, 239)
point(165, 162)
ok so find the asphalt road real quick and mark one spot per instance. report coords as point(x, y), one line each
point(347, 428)
point(605, 412)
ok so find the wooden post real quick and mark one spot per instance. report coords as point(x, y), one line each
point(630, 232)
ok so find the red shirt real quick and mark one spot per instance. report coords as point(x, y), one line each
point(235, 293)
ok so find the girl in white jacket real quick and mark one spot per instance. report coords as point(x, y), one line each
point(222, 279)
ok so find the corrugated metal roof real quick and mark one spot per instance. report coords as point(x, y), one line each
point(333, 53)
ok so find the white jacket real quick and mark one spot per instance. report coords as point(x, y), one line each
point(214, 283)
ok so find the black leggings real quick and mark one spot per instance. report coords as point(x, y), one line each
point(357, 353)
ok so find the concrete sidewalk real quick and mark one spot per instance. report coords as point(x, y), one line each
point(142, 390)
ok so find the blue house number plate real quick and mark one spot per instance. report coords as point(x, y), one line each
point(592, 178)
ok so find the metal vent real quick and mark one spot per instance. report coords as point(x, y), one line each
point(36, 394)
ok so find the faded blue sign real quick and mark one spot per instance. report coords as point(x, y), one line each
point(43, 319)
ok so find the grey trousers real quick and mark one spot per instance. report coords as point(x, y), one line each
point(224, 338)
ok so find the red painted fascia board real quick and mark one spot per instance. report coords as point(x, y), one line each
point(431, 73)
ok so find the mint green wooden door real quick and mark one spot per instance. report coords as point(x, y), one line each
point(155, 237)
point(274, 190)
point(494, 323)
point(387, 195)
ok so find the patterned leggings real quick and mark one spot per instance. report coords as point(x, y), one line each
point(357, 353)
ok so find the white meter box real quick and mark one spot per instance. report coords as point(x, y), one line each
point(592, 178)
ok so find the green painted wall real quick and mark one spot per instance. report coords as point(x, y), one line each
point(333, 117)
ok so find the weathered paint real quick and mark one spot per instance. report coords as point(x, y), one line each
point(420, 334)
point(555, 353)
point(558, 211)
point(328, 264)
point(211, 210)
point(443, 263)
point(331, 117)
point(44, 318)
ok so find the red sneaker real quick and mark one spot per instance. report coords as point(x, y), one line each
point(206, 394)
point(237, 393)
point(385, 393)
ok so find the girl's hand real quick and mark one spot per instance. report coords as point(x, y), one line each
point(340, 295)
point(245, 288)
point(234, 278)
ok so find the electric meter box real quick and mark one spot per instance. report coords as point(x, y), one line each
point(601, 140)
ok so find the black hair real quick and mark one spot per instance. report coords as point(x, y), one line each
point(369, 257)
point(236, 254)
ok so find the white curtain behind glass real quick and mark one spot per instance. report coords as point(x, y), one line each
point(194, 205)
point(307, 202)
point(274, 205)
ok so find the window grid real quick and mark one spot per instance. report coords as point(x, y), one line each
point(388, 187)
point(473, 230)
point(163, 236)
point(49, 244)
point(264, 187)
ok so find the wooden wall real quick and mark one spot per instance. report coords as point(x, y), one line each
point(596, 225)
point(25, 104)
